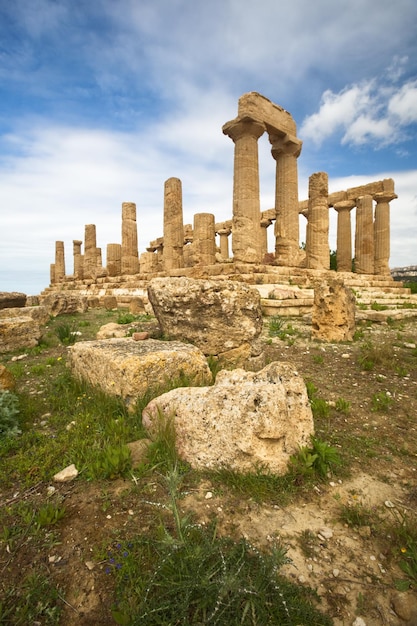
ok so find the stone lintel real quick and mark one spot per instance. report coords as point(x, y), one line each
point(255, 105)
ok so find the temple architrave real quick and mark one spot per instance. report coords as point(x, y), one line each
point(239, 246)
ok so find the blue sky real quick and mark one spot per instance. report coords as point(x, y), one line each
point(101, 102)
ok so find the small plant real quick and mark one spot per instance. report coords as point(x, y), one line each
point(125, 318)
point(9, 411)
point(376, 355)
point(319, 407)
point(309, 543)
point(375, 306)
point(342, 406)
point(318, 358)
point(404, 545)
point(357, 515)
point(49, 514)
point(276, 324)
point(381, 402)
point(67, 333)
point(317, 460)
point(110, 462)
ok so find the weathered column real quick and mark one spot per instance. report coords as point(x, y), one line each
point(285, 150)
point(59, 261)
point(114, 259)
point(52, 273)
point(129, 251)
point(317, 247)
point(173, 257)
point(224, 241)
point(204, 239)
point(344, 235)
point(90, 251)
point(246, 227)
point(78, 259)
point(265, 223)
point(364, 236)
point(382, 232)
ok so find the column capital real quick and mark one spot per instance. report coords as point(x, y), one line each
point(344, 205)
point(224, 231)
point(243, 126)
point(265, 222)
point(384, 196)
point(285, 144)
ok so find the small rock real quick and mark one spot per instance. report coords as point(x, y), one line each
point(412, 346)
point(140, 336)
point(359, 622)
point(326, 533)
point(388, 503)
point(67, 474)
point(50, 490)
point(90, 565)
point(405, 606)
point(54, 559)
point(336, 572)
point(209, 495)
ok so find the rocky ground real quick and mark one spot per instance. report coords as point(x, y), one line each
point(352, 566)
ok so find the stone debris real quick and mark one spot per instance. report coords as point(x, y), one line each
point(67, 474)
point(244, 419)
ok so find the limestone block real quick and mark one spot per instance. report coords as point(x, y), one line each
point(110, 303)
point(128, 368)
point(333, 316)
point(38, 313)
point(216, 316)
point(111, 330)
point(10, 299)
point(60, 303)
point(244, 419)
point(7, 380)
point(18, 332)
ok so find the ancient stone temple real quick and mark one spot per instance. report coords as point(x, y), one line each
point(239, 246)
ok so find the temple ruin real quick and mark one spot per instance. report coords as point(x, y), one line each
point(238, 247)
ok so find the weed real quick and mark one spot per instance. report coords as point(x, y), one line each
point(9, 411)
point(309, 543)
point(318, 358)
point(376, 306)
point(381, 402)
point(342, 406)
point(125, 318)
point(192, 576)
point(36, 601)
point(38, 370)
point(319, 407)
point(311, 389)
point(376, 355)
point(357, 515)
point(67, 332)
point(275, 324)
point(110, 462)
point(259, 485)
point(317, 460)
point(403, 533)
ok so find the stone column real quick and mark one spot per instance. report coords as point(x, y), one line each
point(173, 257)
point(204, 239)
point(78, 259)
point(382, 232)
point(364, 236)
point(344, 235)
point(129, 251)
point(285, 150)
point(114, 259)
point(90, 251)
point(52, 273)
point(318, 252)
point(224, 242)
point(59, 262)
point(265, 223)
point(246, 227)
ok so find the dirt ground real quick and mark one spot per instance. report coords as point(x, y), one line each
point(351, 568)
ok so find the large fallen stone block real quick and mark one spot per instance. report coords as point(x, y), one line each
point(215, 315)
point(18, 332)
point(9, 299)
point(128, 368)
point(60, 303)
point(244, 419)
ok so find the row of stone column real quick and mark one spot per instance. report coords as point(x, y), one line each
point(372, 230)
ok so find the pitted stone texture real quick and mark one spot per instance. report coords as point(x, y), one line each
point(112, 330)
point(333, 316)
point(128, 368)
point(7, 380)
point(216, 316)
point(18, 332)
point(10, 299)
point(245, 419)
point(59, 303)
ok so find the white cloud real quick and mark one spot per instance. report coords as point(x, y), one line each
point(403, 104)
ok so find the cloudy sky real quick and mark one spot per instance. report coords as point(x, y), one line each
point(102, 101)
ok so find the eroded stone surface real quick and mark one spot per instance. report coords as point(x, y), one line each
point(244, 419)
point(64, 303)
point(12, 299)
point(128, 368)
point(333, 317)
point(18, 332)
point(217, 316)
